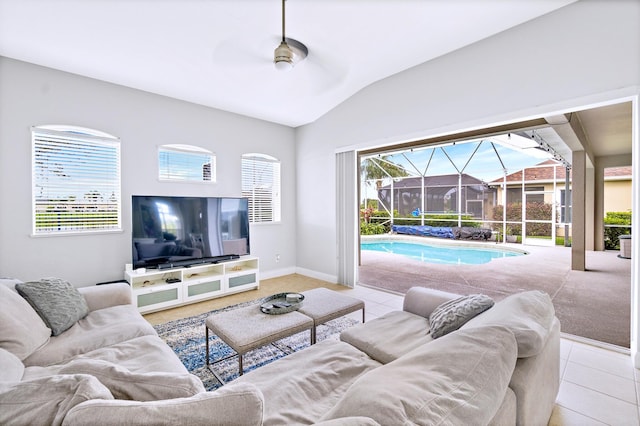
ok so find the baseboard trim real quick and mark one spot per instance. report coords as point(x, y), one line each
point(317, 275)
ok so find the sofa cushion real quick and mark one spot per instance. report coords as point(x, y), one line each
point(22, 331)
point(459, 379)
point(58, 303)
point(12, 367)
point(46, 401)
point(529, 315)
point(232, 404)
point(452, 314)
point(98, 329)
point(390, 336)
point(301, 387)
point(125, 384)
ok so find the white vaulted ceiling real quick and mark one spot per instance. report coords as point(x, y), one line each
point(219, 53)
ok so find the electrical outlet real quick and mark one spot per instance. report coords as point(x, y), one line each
point(277, 258)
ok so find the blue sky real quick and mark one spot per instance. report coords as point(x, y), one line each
point(484, 164)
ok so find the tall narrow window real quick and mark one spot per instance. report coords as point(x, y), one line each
point(186, 163)
point(76, 181)
point(261, 185)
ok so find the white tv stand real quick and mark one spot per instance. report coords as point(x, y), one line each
point(158, 289)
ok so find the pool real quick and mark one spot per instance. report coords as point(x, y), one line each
point(441, 254)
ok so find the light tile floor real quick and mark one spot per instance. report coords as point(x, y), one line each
point(599, 386)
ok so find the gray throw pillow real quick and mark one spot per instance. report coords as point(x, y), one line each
point(451, 315)
point(59, 304)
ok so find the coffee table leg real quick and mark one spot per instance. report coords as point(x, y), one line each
point(206, 334)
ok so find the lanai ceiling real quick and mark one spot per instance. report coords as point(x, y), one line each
point(219, 53)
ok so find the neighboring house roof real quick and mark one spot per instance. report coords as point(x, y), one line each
point(541, 173)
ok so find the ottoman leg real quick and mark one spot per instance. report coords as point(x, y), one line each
point(240, 365)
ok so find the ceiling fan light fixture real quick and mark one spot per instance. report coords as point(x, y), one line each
point(283, 57)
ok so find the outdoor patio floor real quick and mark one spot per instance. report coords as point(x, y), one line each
point(592, 304)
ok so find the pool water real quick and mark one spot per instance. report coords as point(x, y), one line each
point(439, 254)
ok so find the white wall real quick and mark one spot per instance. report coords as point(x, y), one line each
point(584, 53)
point(32, 95)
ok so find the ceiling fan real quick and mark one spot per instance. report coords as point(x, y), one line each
point(251, 56)
point(290, 51)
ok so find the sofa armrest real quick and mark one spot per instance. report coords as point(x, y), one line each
point(232, 404)
point(107, 295)
point(422, 301)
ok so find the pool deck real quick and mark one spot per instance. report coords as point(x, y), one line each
point(593, 304)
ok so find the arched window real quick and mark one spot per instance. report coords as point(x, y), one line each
point(261, 185)
point(76, 180)
point(186, 163)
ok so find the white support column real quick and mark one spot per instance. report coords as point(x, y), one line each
point(578, 225)
point(598, 211)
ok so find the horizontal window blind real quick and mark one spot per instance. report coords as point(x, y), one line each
point(76, 182)
point(186, 163)
point(261, 185)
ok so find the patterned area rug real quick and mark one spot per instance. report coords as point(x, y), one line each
point(187, 339)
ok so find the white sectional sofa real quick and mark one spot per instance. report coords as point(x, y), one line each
point(110, 367)
point(501, 368)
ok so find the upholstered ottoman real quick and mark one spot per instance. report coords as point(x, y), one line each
point(249, 328)
point(323, 305)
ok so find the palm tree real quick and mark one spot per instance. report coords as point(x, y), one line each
point(380, 168)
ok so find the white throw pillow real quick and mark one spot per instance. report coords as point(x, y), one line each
point(22, 331)
point(529, 315)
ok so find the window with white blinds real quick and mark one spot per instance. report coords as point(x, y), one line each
point(261, 185)
point(76, 181)
point(186, 163)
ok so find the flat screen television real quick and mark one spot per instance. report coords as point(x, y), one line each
point(180, 231)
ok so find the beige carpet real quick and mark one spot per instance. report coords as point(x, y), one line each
point(594, 304)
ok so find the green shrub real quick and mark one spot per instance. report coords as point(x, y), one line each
point(371, 228)
point(611, 233)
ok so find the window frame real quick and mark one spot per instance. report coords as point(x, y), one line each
point(92, 147)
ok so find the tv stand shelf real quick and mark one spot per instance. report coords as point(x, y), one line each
point(157, 289)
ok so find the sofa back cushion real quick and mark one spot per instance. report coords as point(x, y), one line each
point(59, 304)
point(460, 378)
point(529, 315)
point(22, 331)
point(11, 367)
point(47, 400)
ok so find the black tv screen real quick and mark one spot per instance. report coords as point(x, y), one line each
point(179, 230)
